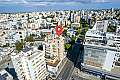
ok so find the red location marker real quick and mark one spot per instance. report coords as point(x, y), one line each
point(59, 30)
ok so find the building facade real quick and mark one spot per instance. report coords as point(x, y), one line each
point(101, 48)
point(30, 64)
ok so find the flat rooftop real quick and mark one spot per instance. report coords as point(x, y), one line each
point(53, 63)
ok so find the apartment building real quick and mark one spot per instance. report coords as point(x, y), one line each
point(12, 36)
point(54, 53)
point(30, 64)
point(56, 45)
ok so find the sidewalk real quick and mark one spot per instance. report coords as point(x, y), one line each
point(77, 74)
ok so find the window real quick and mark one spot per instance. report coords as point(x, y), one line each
point(119, 59)
point(112, 65)
point(20, 32)
point(3, 32)
point(20, 65)
point(20, 36)
point(42, 65)
point(86, 54)
point(94, 56)
point(117, 63)
point(32, 60)
point(21, 39)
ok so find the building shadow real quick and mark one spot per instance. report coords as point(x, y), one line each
point(12, 72)
point(76, 54)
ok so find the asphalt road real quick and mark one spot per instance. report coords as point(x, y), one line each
point(68, 67)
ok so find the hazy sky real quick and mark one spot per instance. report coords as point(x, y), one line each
point(43, 5)
point(81, 1)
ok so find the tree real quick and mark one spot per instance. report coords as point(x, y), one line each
point(64, 33)
point(67, 46)
point(73, 38)
point(29, 39)
point(111, 28)
point(78, 32)
point(19, 46)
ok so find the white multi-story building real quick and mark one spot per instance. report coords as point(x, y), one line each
point(30, 64)
point(55, 53)
point(56, 45)
point(101, 48)
point(12, 36)
point(5, 59)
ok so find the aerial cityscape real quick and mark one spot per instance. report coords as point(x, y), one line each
point(59, 40)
